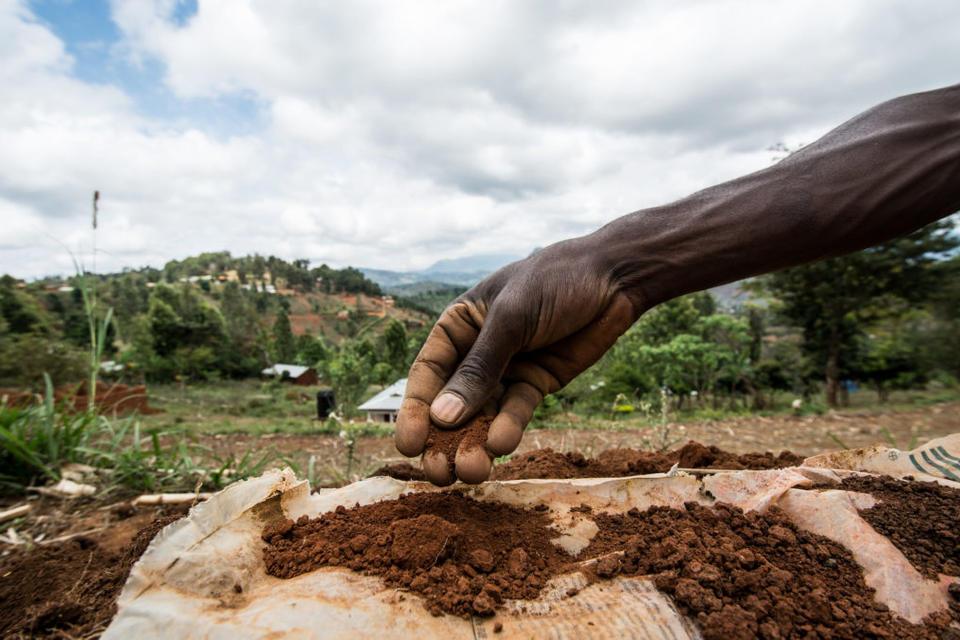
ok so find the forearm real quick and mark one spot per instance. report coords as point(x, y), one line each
point(885, 173)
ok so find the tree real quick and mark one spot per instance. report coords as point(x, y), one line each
point(349, 374)
point(311, 351)
point(382, 373)
point(395, 345)
point(246, 348)
point(179, 322)
point(20, 311)
point(284, 347)
point(832, 301)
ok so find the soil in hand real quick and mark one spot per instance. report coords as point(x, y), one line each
point(447, 441)
point(462, 556)
point(613, 463)
point(922, 519)
point(67, 590)
point(746, 575)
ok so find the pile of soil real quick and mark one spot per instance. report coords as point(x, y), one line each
point(462, 556)
point(920, 518)
point(613, 463)
point(736, 575)
point(747, 575)
point(67, 590)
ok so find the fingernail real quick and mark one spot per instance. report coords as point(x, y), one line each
point(447, 407)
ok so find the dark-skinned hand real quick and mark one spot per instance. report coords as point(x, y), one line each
point(523, 332)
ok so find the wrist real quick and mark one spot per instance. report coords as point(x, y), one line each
point(636, 252)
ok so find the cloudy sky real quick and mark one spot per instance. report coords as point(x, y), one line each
point(392, 134)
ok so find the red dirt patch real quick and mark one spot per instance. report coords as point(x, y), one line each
point(67, 590)
point(736, 574)
point(462, 556)
point(747, 575)
point(613, 463)
point(920, 518)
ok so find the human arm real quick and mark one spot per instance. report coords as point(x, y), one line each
point(531, 327)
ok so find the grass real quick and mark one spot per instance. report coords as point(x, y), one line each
point(208, 435)
point(244, 406)
point(863, 401)
point(36, 442)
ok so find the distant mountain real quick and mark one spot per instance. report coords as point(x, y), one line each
point(486, 263)
point(464, 272)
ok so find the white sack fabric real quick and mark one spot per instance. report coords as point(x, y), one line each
point(204, 577)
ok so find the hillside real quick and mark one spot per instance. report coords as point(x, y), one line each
point(212, 315)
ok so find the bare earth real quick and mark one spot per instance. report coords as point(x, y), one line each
point(807, 435)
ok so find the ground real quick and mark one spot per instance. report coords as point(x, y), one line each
point(235, 417)
point(239, 417)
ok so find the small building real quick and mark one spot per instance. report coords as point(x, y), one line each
point(112, 367)
point(384, 406)
point(304, 376)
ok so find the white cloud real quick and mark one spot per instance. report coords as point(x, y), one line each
point(395, 134)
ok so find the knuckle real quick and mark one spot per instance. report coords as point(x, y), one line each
point(474, 374)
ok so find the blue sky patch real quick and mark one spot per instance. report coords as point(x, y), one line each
point(92, 39)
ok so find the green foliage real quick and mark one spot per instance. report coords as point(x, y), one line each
point(349, 375)
point(678, 347)
point(428, 297)
point(395, 345)
point(35, 442)
point(25, 358)
point(382, 374)
point(284, 347)
point(167, 461)
point(20, 312)
point(312, 351)
point(185, 336)
point(833, 300)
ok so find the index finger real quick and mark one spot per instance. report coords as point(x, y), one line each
point(449, 341)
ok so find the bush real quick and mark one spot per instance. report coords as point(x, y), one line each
point(25, 358)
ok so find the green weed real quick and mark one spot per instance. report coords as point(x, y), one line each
point(35, 442)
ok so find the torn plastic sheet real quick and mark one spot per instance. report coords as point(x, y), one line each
point(203, 576)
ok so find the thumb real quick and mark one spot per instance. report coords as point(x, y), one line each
point(479, 373)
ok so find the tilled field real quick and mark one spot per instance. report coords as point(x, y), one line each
point(69, 590)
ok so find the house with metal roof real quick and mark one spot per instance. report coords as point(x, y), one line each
point(384, 406)
point(294, 373)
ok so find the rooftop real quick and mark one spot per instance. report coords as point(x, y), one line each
point(292, 370)
point(387, 400)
